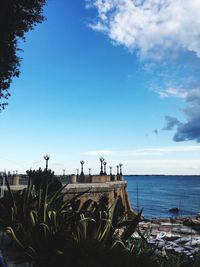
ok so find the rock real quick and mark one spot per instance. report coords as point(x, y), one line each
point(193, 242)
point(185, 230)
point(179, 249)
point(183, 240)
point(174, 210)
point(171, 237)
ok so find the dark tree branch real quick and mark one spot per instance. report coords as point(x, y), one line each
point(16, 18)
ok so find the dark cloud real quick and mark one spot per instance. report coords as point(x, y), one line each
point(171, 122)
point(190, 130)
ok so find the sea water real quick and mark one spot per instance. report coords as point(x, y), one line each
point(158, 194)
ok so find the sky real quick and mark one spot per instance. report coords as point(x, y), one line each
point(114, 78)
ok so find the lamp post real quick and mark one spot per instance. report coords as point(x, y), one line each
point(77, 175)
point(101, 160)
point(82, 162)
point(46, 157)
point(89, 172)
point(104, 167)
point(120, 168)
point(110, 170)
point(117, 169)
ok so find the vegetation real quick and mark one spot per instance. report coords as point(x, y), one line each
point(16, 18)
point(49, 231)
point(40, 177)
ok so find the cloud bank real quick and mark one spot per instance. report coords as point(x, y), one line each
point(150, 25)
point(157, 30)
point(190, 130)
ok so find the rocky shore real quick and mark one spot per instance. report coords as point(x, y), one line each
point(179, 235)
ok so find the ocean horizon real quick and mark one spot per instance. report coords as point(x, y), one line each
point(157, 194)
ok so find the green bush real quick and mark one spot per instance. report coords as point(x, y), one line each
point(51, 232)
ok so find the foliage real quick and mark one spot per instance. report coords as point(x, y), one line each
point(39, 178)
point(16, 18)
point(15, 206)
point(48, 233)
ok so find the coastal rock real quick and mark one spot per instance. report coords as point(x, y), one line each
point(174, 210)
point(175, 237)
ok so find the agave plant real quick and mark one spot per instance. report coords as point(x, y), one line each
point(48, 230)
point(37, 219)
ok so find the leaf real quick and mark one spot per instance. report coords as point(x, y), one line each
point(31, 252)
point(52, 215)
point(33, 218)
point(53, 198)
point(86, 205)
point(11, 233)
point(118, 211)
point(10, 193)
point(131, 227)
point(72, 199)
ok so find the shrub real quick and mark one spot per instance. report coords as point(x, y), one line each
point(50, 232)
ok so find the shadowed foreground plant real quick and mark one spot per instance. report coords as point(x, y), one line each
point(51, 232)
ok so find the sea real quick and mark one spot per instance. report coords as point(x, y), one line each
point(158, 194)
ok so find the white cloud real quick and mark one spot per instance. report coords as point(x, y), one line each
point(177, 149)
point(151, 151)
point(183, 167)
point(150, 25)
point(173, 91)
point(158, 28)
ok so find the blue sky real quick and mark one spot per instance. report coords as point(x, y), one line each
point(99, 78)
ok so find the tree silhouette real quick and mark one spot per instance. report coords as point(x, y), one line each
point(16, 18)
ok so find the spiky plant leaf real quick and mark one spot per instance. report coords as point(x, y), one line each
point(131, 228)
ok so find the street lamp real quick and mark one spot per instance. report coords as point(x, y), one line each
point(104, 167)
point(120, 167)
point(46, 157)
point(82, 162)
point(110, 170)
point(101, 160)
point(117, 169)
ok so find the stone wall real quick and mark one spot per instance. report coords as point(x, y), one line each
point(95, 186)
point(109, 189)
